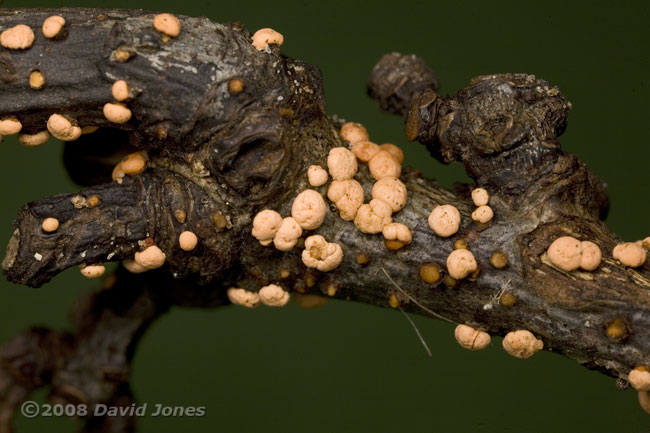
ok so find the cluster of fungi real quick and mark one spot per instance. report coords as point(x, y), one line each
point(216, 159)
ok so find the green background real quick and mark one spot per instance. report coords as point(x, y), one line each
point(354, 368)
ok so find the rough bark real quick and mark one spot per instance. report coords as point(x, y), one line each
point(221, 157)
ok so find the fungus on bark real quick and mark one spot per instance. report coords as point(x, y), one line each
point(222, 154)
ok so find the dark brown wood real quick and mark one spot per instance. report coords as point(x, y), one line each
point(221, 157)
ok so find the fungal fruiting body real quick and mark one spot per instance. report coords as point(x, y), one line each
point(364, 150)
point(353, 132)
point(569, 254)
point(188, 241)
point(52, 26)
point(397, 235)
point(320, 254)
point(19, 37)
point(444, 220)
point(630, 254)
point(499, 260)
point(167, 24)
point(483, 214)
point(93, 271)
point(133, 267)
point(33, 140)
point(471, 338)
point(347, 195)
point(62, 128)
point(565, 253)
point(274, 296)
point(309, 209)
point(120, 90)
point(287, 234)
point(639, 378)
point(383, 164)
point(264, 37)
point(117, 112)
point(397, 153)
point(317, 175)
point(265, 225)
point(429, 273)
point(372, 217)
point(36, 80)
point(461, 263)
point(50, 225)
point(480, 197)
point(341, 163)
point(243, 297)
point(392, 191)
point(522, 344)
point(151, 257)
point(10, 126)
point(591, 256)
point(132, 164)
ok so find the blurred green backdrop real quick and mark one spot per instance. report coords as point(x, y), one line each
point(353, 368)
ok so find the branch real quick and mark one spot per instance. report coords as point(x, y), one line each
point(222, 156)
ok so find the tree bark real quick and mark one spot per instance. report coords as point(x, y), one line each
point(222, 156)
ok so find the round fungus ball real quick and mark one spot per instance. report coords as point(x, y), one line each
point(591, 256)
point(565, 253)
point(320, 254)
point(397, 153)
point(392, 191)
point(471, 338)
point(134, 163)
point(372, 217)
point(117, 112)
point(287, 235)
point(397, 232)
point(317, 175)
point(243, 297)
point(341, 163)
point(133, 267)
point(93, 271)
point(461, 263)
point(383, 164)
point(522, 344)
point(36, 79)
point(33, 140)
point(151, 257)
point(480, 197)
point(353, 132)
point(309, 209)
point(52, 26)
point(167, 24)
point(120, 90)
point(19, 37)
point(646, 242)
point(62, 128)
point(364, 150)
point(429, 273)
point(267, 36)
point(347, 195)
point(274, 296)
point(483, 214)
point(10, 126)
point(265, 225)
point(639, 378)
point(188, 241)
point(50, 225)
point(630, 254)
point(444, 220)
